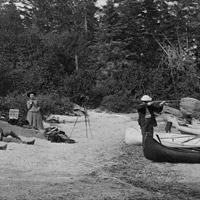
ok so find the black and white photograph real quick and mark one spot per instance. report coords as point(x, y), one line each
point(99, 100)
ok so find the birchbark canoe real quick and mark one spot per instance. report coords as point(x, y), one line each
point(190, 129)
point(157, 152)
point(133, 136)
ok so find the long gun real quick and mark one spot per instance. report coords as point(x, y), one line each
point(167, 101)
point(159, 101)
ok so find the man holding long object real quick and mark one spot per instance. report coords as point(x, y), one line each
point(146, 113)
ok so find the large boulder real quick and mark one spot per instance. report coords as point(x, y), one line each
point(190, 106)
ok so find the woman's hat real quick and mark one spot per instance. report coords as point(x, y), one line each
point(146, 98)
point(29, 93)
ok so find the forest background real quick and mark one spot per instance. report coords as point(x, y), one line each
point(67, 49)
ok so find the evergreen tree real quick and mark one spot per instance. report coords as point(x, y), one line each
point(11, 31)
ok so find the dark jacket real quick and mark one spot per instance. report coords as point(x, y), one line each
point(142, 112)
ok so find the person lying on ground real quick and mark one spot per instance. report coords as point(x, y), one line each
point(53, 134)
point(13, 137)
point(3, 147)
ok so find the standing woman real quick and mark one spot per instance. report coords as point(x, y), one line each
point(34, 116)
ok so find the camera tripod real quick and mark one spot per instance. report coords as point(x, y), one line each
point(87, 122)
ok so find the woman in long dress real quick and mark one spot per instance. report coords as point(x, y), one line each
point(34, 116)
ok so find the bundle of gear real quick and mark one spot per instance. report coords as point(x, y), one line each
point(53, 134)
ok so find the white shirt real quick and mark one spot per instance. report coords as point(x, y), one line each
point(148, 114)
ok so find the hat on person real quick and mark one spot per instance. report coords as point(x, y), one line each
point(146, 98)
point(29, 93)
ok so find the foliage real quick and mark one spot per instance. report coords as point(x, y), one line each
point(112, 55)
point(77, 85)
point(54, 104)
point(157, 36)
point(50, 104)
point(14, 101)
point(118, 103)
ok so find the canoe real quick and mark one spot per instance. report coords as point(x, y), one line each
point(155, 151)
point(133, 136)
point(173, 111)
point(179, 140)
point(195, 130)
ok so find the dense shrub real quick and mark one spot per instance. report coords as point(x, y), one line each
point(13, 101)
point(96, 96)
point(77, 85)
point(50, 104)
point(116, 103)
point(54, 104)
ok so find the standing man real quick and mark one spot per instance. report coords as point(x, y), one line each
point(146, 113)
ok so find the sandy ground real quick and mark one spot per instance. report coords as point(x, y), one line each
point(47, 162)
point(60, 171)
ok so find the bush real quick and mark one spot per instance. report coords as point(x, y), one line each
point(95, 97)
point(118, 103)
point(50, 104)
point(77, 85)
point(13, 101)
point(54, 104)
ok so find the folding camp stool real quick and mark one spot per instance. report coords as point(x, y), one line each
point(13, 114)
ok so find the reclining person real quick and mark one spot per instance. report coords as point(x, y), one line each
point(14, 137)
point(4, 147)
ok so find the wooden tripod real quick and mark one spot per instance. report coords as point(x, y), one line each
point(87, 123)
